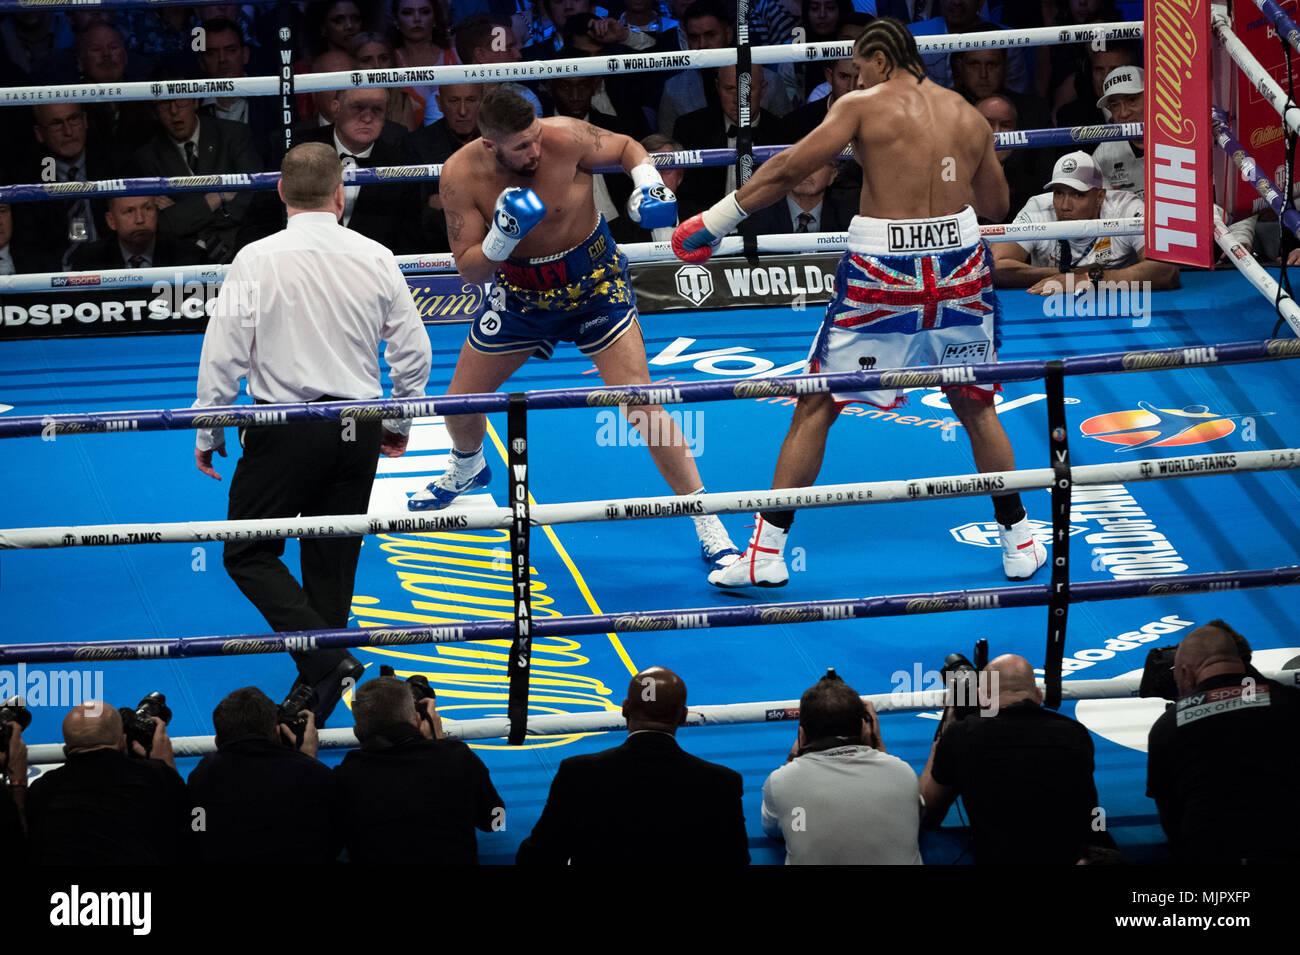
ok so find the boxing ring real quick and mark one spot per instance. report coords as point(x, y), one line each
point(879, 593)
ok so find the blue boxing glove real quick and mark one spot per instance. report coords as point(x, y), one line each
point(652, 205)
point(516, 212)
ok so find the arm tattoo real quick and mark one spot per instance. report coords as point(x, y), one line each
point(455, 223)
point(597, 136)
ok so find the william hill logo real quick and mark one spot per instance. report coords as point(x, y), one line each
point(1150, 427)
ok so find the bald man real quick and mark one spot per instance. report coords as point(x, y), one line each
point(1024, 773)
point(103, 807)
point(1221, 763)
point(646, 801)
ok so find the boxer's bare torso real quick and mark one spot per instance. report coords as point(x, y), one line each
point(564, 149)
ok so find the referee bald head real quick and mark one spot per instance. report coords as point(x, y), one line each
point(311, 179)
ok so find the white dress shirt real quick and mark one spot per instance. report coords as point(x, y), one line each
point(301, 314)
point(1108, 251)
point(814, 224)
point(350, 193)
point(7, 262)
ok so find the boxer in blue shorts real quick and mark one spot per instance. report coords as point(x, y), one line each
point(915, 286)
point(521, 212)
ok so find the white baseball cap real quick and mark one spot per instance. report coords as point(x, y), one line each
point(1076, 170)
point(1124, 79)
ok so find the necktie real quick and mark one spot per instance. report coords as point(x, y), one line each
point(136, 261)
point(805, 219)
point(191, 156)
point(1063, 255)
point(732, 132)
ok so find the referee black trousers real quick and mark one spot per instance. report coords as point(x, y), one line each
point(306, 468)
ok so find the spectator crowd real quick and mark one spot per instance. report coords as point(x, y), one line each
point(1015, 89)
point(1217, 770)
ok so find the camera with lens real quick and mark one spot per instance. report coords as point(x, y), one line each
point(12, 711)
point(301, 697)
point(1158, 671)
point(961, 684)
point(138, 724)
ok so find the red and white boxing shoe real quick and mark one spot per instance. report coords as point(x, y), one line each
point(762, 563)
point(1021, 554)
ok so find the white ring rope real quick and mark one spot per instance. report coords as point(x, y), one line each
point(601, 721)
point(1255, 73)
point(722, 502)
point(1256, 274)
point(635, 251)
point(545, 69)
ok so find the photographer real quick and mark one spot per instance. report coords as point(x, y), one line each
point(263, 798)
point(105, 807)
point(841, 799)
point(409, 794)
point(1024, 773)
point(13, 798)
point(1221, 762)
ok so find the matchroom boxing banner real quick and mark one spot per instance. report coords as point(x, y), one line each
point(1178, 172)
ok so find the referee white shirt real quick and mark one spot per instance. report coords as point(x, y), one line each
point(301, 314)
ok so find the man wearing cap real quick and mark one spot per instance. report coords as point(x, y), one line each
point(1121, 162)
point(1077, 193)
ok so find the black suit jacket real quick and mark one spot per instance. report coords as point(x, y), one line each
point(406, 799)
point(265, 804)
point(776, 219)
point(384, 212)
point(263, 126)
point(802, 121)
point(707, 129)
point(103, 808)
point(223, 147)
point(648, 795)
point(41, 228)
point(107, 254)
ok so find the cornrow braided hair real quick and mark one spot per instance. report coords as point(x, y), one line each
point(891, 38)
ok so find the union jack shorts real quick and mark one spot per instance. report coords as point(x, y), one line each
point(899, 311)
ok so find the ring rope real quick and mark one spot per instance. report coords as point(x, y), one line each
point(635, 252)
point(1283, 24)
point(604, 721)
point(925, 376)
point(420, 172)
point(643, 508)
point(544, 69)
point(750, 615)
point(1255, 73)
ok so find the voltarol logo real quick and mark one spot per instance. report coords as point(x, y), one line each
point(694, 283)
point(1150, 427)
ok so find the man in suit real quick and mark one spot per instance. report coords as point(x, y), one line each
point(133, 242)
point(225, 56)
point(980, 73)
point(20, 256)
point(458, 125)
point(102, 58)
point(808, 208)
point(188, 144)
point(69, 152)
point(715, 128)
point(1026, 169)
point(708, 27)
point(380, 211)
point(647, 795)
point(841, 76)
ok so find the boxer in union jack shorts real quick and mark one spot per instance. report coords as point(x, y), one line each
point(915, 287)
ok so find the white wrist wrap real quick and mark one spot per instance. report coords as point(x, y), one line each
point(498, 246)
point(645, 174)
point(723, 217)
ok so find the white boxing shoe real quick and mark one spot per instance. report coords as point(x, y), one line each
point(762, 563)
point(1021, 554)
point(715, 543)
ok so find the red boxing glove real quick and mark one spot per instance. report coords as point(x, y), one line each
point(692, 242)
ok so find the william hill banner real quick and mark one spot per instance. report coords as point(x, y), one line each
point(1178, 172)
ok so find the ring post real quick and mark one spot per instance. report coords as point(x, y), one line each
point(521, 649)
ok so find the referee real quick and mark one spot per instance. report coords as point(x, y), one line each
point(300, 315)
